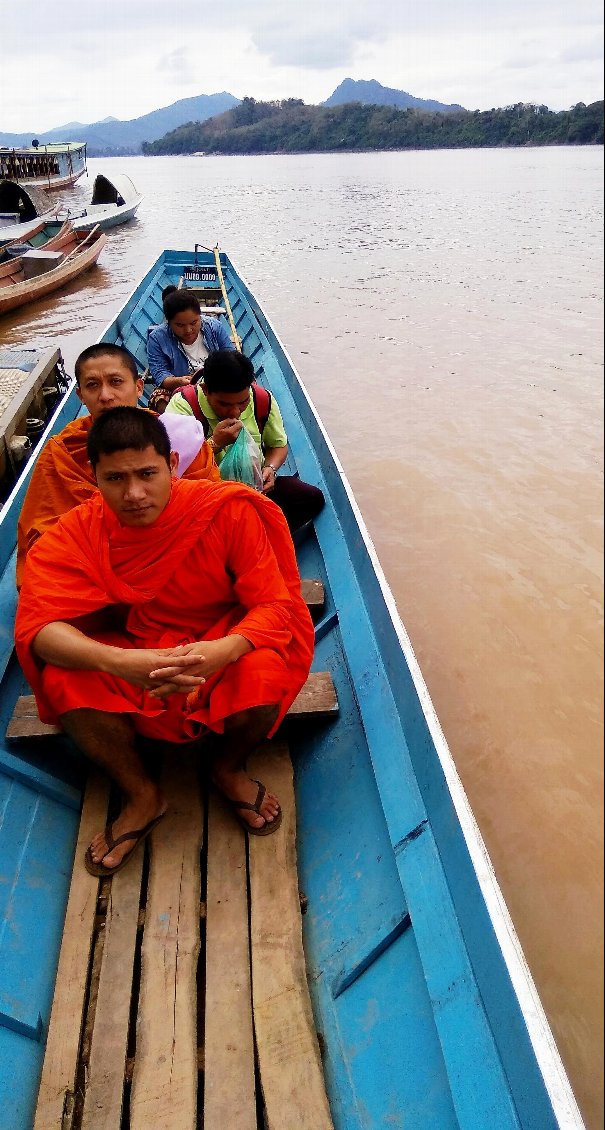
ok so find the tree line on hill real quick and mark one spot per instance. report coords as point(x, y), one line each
point(289, 126)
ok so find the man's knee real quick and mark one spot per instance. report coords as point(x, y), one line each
point(259, 718)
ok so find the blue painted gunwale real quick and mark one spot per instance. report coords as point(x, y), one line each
point(427, 1010)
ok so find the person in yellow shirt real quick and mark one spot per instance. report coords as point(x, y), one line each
point(227, 399)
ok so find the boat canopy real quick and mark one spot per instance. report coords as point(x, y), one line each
point(119, 190)
point(26, 201)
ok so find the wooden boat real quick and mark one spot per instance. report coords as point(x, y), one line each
point(50, 234)
point(31, 384)
point(57, 165)
point(39, 272)
point(424, 1011)
point(114, 201)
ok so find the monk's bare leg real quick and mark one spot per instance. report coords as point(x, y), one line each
point(109, 741)
point(243, 733)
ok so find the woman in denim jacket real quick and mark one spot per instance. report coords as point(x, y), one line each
point(176, 350)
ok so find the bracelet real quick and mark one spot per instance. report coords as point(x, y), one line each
point(211, 444)
point(270, 467)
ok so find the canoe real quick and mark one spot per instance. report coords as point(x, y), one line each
point(427, 1012)
point(50, 234)
point(40, 272)
point(57, 165)
point(114, 201)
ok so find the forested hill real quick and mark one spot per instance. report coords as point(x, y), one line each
point(291, 127)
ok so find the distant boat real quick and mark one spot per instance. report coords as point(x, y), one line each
point(114, 201)
point(53, 166)
point(39, 272)
point(47, 233)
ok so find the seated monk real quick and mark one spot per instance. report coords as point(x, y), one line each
point(107, 378)
point(215, 636)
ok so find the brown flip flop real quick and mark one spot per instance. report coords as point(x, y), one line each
point(269, 826)
point(139, 834)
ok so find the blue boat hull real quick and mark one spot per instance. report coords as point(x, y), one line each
point(427, 1013)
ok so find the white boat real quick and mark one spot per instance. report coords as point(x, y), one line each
point(114, 201)
point(56, 165)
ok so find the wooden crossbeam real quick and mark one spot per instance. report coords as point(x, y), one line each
point(314, 596)
point(316, 700)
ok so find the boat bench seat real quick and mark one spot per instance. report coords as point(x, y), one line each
point(181, 996)
point(317, 699)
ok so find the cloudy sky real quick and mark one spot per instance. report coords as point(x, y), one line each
point(79, 60)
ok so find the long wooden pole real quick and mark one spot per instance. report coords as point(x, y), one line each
point(234, 334)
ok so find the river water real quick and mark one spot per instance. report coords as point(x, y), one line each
point(445, 312)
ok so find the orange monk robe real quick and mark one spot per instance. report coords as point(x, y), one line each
point(219, 560)
point(62, 478)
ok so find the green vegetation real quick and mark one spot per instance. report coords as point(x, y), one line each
point(291, 127)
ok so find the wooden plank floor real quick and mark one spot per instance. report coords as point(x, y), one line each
point(181, 1000)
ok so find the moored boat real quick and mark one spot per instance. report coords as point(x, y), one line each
point(31, 384)
point(427, 1012)
point(46, 233)
point(114, 201)
point(56, 165)
point(39, 272)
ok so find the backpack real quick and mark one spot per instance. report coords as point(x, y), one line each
point(261, 400)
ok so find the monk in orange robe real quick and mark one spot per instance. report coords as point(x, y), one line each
point(107, 378)
point(215, 634)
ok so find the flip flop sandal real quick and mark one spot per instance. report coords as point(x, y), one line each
point(268, 827)
point(139, 834)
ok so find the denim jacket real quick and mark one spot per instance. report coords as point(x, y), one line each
point(166, 356)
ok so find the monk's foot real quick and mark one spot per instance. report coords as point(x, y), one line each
point(136, 816)
point(236, 786)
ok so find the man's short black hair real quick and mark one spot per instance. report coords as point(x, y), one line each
point(227, 370)
point(106, 349)
point(125, 428)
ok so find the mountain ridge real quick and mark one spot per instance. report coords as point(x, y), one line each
point(371, 93)
point(112, 136)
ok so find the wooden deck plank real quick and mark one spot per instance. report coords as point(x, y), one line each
point(164, 1086)
point(229, 1082)
point(104, 1096)
point(61, 1058)
point(25, 722)
point(317, 698)
point(288, 1051)
point(314, 595)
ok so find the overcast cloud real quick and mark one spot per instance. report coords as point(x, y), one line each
point(81, 61)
